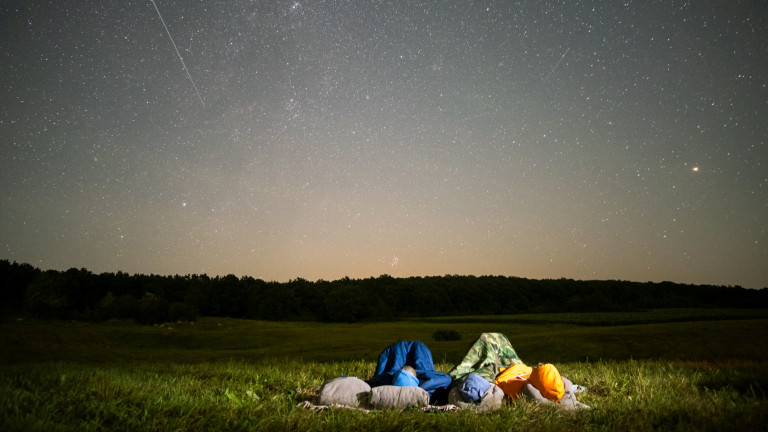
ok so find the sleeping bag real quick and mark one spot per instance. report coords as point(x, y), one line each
point(513, 379)
point(488, 355)
point(416, 355)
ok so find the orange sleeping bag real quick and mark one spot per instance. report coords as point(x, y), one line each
point(512, 379)
point(545, 377)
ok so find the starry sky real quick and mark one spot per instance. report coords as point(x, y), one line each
point(319, 139)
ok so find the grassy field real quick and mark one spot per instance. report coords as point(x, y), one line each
point(668, 370)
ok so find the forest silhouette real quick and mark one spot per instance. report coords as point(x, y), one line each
point(82, 295)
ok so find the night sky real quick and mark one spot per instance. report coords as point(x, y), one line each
point(326, 138)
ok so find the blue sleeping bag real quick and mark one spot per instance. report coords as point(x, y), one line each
point(416, 355)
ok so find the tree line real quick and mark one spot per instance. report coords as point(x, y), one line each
point(83, 295)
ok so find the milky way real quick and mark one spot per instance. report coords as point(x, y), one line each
point(579, 139)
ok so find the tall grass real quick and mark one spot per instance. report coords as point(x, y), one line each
point(628, 395)
point(245, 375)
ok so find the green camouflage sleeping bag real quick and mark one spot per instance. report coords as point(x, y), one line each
point(490, 353)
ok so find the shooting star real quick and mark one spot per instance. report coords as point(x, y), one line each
point(177, 52)
point(556, 65)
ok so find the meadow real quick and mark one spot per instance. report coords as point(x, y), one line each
point(655, 370)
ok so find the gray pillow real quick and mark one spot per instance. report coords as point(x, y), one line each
point(568, 401)
point(532, 392)
point(491, 400)
point(395, 397)
point(350, 391)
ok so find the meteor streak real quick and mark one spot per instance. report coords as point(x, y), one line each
point(557, 64)
point(177, 52)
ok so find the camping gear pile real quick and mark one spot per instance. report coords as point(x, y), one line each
point(405, 377)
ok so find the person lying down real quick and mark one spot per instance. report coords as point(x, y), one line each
point(542, 384)
point(405, 378)
point(492, 369)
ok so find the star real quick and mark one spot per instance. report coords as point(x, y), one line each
point(315, 131)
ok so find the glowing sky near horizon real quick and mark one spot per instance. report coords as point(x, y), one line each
point(578, 139)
